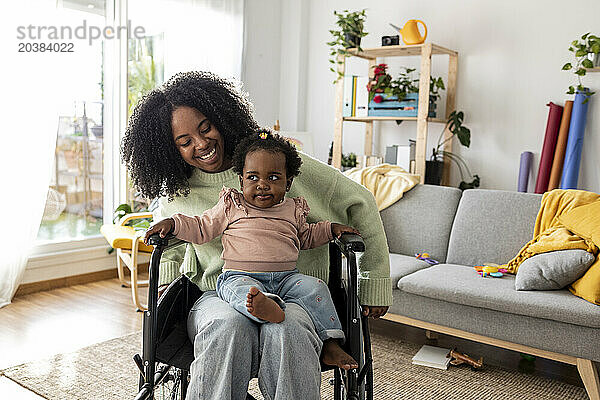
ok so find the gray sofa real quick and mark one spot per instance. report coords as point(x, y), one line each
point(463, 229)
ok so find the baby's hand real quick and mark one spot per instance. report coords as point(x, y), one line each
point(163, 228)
point(338, 229)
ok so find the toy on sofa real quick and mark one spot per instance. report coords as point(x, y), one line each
point(425, 257)
point(490, 270)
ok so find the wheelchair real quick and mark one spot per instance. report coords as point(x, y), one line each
point(167, 351)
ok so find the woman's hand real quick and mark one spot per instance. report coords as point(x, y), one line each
point(338, 229)
point(374, 311)
point(163, 228)
point(161, 289)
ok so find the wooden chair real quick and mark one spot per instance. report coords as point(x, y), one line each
point(129, 245)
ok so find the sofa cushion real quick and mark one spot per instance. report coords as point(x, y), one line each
point(421, 221)
point(401, 265)
point(491, 226)
point(575, 340)
point(553, 270)
point(462, 285)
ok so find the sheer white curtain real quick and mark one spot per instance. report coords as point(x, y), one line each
point(199, 35)
point(29, 84)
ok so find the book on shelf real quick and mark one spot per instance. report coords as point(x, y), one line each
point(356, 96)
point(431, 356)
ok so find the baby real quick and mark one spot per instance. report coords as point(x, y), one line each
point(262, 233)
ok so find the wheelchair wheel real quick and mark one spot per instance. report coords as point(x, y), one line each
point(356, 384)
point(172, 386)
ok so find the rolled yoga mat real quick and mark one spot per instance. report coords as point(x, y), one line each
point(570, 172)
point(541, 184)
point(524, 168)
point(561, 145)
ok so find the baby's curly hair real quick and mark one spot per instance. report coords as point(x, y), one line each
point(148, 149)
point(264, 139)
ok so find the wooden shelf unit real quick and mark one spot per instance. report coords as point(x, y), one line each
point(425, 51)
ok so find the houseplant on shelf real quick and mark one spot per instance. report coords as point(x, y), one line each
point(435, 166)
point(351, 30)
point(586, 52)
point(383, 89)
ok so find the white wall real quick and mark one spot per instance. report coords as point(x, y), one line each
point(510, 58)
point(262, 57)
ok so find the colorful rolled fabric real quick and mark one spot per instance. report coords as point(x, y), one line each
point(561, 146)
point(524, 169)
point(541, 184)
point(570, 172)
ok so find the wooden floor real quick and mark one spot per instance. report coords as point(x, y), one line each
point(42, 324)
point(62, 320)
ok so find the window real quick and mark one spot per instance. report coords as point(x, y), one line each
point(74, 205)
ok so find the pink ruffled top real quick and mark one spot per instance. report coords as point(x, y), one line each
point(255, 239)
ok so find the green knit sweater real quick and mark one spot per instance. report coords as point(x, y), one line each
point(330, 195)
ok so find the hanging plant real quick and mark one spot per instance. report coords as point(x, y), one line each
point(589, 45)
point(349, 35)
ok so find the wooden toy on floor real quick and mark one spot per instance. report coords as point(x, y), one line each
point(459, 358)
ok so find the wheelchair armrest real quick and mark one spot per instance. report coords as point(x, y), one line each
point(350, 242)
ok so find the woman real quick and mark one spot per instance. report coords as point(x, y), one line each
point(178, 147)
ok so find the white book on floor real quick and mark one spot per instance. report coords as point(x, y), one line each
point(430, 356)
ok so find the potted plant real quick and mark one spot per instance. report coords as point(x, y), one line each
point(383, 89)
point(349, 35)
point(435, 166)
point(125, 209)
point(348, 161)
point(586, 51)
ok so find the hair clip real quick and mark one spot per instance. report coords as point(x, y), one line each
point(263, 135)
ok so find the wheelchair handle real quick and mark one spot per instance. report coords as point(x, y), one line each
point(156, 240)
point(350, 242)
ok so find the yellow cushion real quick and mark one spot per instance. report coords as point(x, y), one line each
point(121, 237)
point(585, 222)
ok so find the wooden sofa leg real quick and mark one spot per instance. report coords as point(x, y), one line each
point(589, 375)
point(431, 335)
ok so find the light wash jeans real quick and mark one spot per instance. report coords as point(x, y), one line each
point(230, 349)
point(308, 292)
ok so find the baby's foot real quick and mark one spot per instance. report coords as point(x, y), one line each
point(263, 307)
point(334, 355)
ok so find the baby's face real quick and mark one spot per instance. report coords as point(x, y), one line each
point(264, 181)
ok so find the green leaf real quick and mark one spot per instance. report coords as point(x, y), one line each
point(575, 42)
point(567, 67)
point(580, 53)
point(585, 36)
point(124, 207)
point(571, 90)
point(587, 63)
point(464, 136)
point(580, 72)
point(595, 48)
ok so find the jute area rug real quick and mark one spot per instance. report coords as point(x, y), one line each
point(107, 371)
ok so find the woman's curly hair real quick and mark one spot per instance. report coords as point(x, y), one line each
point(269, 141)
point(148, 149)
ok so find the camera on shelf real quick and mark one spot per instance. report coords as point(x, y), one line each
point(390, 40)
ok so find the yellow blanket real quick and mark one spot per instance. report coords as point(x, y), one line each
point(387, 182)
point(549, 233)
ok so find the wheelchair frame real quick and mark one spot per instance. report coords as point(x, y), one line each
point(165, 337)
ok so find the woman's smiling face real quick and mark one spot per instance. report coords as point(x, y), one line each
point(198, 140)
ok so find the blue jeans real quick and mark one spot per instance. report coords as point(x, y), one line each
point(310, 293)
